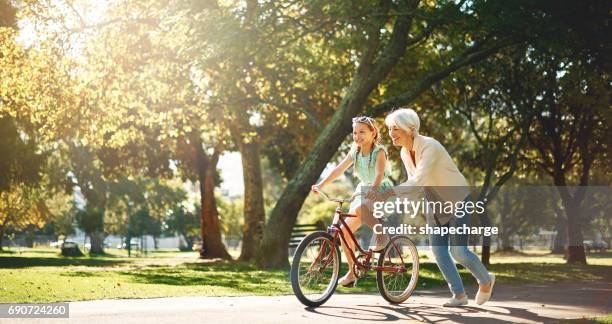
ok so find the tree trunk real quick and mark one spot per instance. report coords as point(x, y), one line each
point(188, 241)
point(561, 237)
point(575, 249)
point(254, 213)
point(96, 239)
point(506, 244)
point(485, 255)
point(212, 245)
point(560, 225)
point(1, 236)
point(575, 240)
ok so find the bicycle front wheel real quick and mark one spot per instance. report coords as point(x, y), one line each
point(400, 259)
point(315, 268)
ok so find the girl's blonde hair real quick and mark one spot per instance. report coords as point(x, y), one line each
point(368, 121)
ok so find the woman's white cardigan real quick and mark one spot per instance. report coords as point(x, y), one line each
point(434, 170)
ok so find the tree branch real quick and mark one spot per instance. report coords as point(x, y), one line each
point(397, 44)
point(309, 116)
point(471, 55)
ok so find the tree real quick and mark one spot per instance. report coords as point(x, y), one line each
point(94, 187)
point(264, 79)
point(378, 57)
point(140, 126)
point(520, 209)
point(570, 135)
point(184, 223)
point(492, 101)
point(32, 205)
point(138, 206)
point(19, 160)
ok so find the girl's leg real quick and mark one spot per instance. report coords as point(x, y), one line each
point(365, 214)
point(354, 223)
point(460, 253)
point(439, 247)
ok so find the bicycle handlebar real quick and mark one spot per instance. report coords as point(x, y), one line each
point(338, 200)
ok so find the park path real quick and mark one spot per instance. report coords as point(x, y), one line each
point(530, 303)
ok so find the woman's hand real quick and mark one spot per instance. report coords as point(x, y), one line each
point(371, 195)
point(382, 196)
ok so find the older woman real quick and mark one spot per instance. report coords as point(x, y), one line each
point(430, 167)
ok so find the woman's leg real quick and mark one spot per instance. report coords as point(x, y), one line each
point(439, 247)
point(460, 253)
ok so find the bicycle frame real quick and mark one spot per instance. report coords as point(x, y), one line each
point(336, 231)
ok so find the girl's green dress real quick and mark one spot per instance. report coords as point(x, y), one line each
point(366, 173)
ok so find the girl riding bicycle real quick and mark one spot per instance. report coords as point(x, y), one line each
point(369, 159)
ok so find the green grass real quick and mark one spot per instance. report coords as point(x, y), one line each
point(607, 319)
point(41, 275)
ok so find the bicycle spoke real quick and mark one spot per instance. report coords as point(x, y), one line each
point(317, 268)
point(398, 285)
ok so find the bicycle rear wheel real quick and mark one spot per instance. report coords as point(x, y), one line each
point(315, 268)
point(400, 256)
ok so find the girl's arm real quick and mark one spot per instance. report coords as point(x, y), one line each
point(381, 160)
point(336, 172)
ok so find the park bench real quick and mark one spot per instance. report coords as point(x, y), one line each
point(71, 249)
point(300, 231)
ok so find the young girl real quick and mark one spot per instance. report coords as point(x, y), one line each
point(369, 159)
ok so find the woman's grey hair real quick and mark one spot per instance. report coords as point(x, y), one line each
point(404, 118)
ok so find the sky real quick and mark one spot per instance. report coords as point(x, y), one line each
point(230, 165)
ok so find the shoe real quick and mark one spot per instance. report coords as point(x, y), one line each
point(348, 281)
point(380, 241)
point(482, 298)
point(454, 302)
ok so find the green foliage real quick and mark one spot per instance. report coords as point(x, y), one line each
point(139, 206)
point(64, 223)
point(20, 161)
point(316, 208)
point(185, 223)
point(91, 219)
point(231, 216)
point(142, 223)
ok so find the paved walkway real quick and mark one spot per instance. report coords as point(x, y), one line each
point(525, 304)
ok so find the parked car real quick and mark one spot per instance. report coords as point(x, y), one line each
point(134, 243)
point(600, 246)
point(56, 243)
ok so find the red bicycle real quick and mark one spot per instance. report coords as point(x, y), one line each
point(316, 263)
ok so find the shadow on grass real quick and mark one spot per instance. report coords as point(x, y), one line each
point(80, 274)
point(247, 278)
point(18, 252)
point(26, 262)
point(518, 273)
